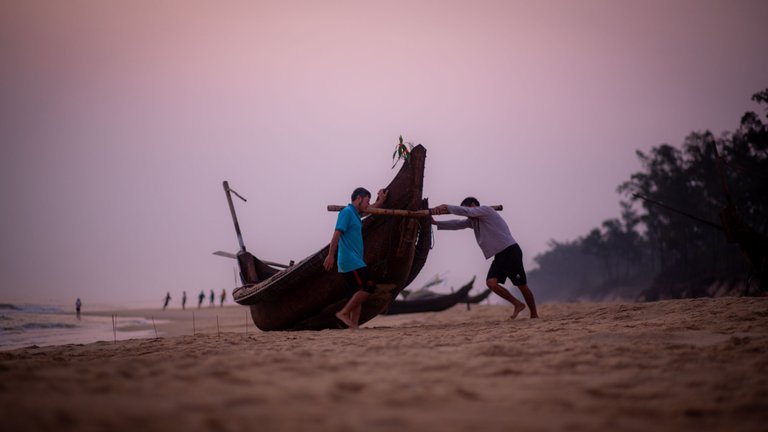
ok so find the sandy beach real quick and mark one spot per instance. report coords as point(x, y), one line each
point(687, 365)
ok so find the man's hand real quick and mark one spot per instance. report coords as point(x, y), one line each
point(332, 248)
point(439, 210)
point(328, 263)
point(381, 196)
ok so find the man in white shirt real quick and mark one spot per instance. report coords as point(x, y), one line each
point(495, 240)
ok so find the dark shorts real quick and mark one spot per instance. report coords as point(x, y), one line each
point(508, 264)
point(357, 280)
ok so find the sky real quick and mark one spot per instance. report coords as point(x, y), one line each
point(119, 121)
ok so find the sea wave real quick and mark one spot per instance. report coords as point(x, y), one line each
point(30, 308)
point(36, 326)
point(39, 326)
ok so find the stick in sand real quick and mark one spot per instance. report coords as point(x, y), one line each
point(397, 212)
point(153, 325)
point(114, 328)
point(193, 323)
point(218, 330)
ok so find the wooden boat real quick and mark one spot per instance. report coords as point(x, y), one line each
point(478, 298)
point(424, 291)
point(305, 296)
point(430, 304)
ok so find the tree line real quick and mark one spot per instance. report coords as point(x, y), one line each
point(674, 237)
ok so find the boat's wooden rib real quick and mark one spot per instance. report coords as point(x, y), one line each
point(306, 296)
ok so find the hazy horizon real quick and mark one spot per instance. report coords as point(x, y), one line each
point(120, 120)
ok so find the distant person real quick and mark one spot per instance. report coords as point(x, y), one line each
point(78, 304)
point(213, 297)
point(347, 242)
point(167, 300)
point(495, 240)
point(200, 299)
point(183, 300)
point(223, 297)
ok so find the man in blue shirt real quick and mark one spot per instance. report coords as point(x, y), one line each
point(347, 248)
point(495, 240)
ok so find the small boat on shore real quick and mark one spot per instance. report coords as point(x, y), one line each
point(434, 303)
point(305, 296)
point(478, 298)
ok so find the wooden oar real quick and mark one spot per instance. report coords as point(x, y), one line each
point(269, 263)
point(396, 212)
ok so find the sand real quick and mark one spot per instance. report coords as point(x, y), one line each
point(681, 365)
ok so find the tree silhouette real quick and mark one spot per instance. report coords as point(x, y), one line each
point(654, 253)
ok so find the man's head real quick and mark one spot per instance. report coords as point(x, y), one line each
point(360, 192)
point(470, 202)
point(361, 198)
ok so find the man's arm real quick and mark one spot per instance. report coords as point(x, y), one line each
point(331, 258)
point(475, 212)
point(455, 224)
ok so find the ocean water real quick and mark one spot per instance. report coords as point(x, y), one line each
point(24, 325)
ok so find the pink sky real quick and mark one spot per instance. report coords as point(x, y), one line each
point(120, 120)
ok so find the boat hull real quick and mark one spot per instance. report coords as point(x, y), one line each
point(431, 304)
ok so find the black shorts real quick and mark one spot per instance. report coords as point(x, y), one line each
point(357, 280)
point(508, 264)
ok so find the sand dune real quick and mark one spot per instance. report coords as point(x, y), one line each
point(686, 365)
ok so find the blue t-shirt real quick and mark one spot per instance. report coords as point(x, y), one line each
point(350, 252)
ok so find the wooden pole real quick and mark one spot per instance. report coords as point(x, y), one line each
point(229, 192)
point(234, 256)
point(396, 212)
point(218, 330)
point(193, 323)
point(114, 328)
point(153, 325)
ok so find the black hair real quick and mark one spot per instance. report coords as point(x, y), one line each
point(363, 192)
point(469, 201)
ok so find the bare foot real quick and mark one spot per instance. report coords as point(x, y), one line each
point(534, 315)
point(518, 308)
point(346, 320)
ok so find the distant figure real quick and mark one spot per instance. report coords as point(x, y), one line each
point(495, 240)
point(183, 300)
point(213, 298)
point(78, 304)
point(223, 297)
point(347, 240)
point(167, 299)
point(200, 299)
